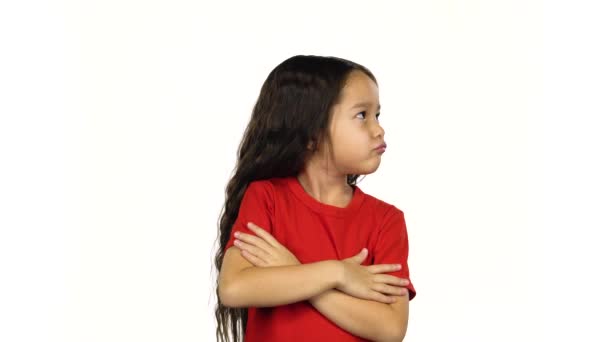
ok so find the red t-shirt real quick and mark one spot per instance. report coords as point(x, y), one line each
point(315, 231)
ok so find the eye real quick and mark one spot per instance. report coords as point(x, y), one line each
point(363, 112)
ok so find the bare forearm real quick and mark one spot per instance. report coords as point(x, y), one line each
point(364, 318)
point(281, 285)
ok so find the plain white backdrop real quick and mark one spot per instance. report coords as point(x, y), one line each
point(120, 122)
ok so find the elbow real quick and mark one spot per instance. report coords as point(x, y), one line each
point(399, 327)
point(227, 295)
point(395, 338)
point(399, 337)
point(231, 291)
point(396, 333)
point(399, 333)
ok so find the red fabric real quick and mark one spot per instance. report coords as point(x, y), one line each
point(314, 231)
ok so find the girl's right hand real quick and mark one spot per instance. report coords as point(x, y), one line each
point(364, 282)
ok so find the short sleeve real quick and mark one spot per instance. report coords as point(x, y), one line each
point(257, 206)
point(392, 246)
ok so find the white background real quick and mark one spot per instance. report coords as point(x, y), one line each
point(120, 122)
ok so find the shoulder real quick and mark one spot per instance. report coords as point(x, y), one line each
point(381, 208)
point(259, 191)
point(269, 186)
point(262, 186)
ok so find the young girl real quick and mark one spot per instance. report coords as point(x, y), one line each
point(316, 258)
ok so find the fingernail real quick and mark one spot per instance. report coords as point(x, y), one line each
point(237, 234)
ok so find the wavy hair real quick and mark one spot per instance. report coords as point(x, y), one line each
point(292, 110)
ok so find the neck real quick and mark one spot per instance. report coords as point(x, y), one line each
point(326, 188)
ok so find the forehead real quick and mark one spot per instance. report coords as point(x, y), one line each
point(359, 88)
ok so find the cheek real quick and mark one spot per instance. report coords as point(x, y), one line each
point(349, 144)
point(350, 136)
point(349, 151)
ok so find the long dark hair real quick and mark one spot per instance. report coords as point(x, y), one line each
point(293, 109)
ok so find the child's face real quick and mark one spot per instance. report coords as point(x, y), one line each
point(354, 134)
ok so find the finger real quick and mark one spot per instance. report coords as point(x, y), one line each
point(252, 258)
point(379, 297)
point(252, 249)
point(383, 268)
point(361, 256)
point(392, 299)
point(389, 290)
point(263, 234)
point(358, 258)
point(391, 280)
point(256, 241)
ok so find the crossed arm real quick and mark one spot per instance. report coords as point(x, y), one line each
point(316, 283)
point(366, 318)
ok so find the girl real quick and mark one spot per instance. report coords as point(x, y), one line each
point(316, 258)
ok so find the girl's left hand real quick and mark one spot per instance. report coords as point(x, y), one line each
point(263, 250)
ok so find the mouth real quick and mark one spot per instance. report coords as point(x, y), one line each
point(380, 147)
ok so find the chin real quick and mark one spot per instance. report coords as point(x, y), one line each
point(367, 171)
point(364, 167)
point(376, 167)
point(374, 170)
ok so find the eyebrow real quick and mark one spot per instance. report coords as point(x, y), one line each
point(363, 104)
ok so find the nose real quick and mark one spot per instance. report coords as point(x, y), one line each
point(378, 131)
